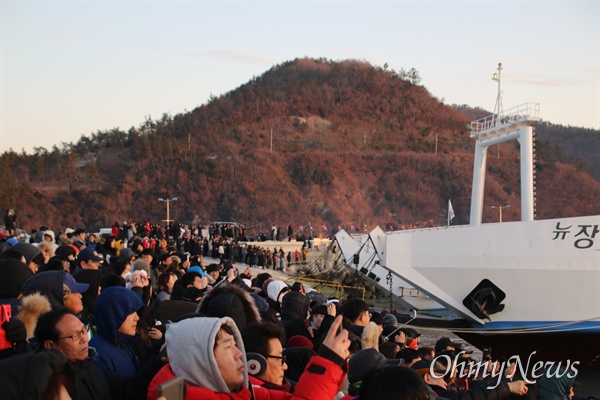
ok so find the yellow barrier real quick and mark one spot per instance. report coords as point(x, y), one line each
point(318, 285)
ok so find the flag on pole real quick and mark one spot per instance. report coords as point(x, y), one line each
point(451, 214)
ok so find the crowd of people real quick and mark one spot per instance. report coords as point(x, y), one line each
point(118, 317)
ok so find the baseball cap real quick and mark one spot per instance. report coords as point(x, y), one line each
point(63, 252)
point(197, 269)
point(424, 367)
point(411, 332)
point(366, 360)
point(444, 342)
point(88, 254)
point(73, 285)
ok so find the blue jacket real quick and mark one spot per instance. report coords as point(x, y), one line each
point(115, 349)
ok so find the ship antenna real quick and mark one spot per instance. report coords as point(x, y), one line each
point(498, 110)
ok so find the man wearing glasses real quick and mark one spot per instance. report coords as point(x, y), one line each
point(64, 332)
point(209, 354)
point(60, 330)
point(264, 338)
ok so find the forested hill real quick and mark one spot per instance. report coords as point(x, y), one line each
point(330, 143)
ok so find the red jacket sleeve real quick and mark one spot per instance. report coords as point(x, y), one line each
point(321, 379)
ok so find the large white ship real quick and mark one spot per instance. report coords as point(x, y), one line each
point(537, 279)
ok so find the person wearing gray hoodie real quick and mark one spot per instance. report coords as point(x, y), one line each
point(209, 354)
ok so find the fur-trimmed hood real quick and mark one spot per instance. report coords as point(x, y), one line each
point(228, 300)
point(370, 336)
point(31, 308)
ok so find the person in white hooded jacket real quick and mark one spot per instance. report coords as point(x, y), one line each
point(209, 354)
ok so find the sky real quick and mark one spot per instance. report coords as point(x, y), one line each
point(73, 68)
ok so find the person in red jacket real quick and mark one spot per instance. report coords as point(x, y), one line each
point(209, 354)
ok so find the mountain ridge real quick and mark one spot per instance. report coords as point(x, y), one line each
point(330, 143)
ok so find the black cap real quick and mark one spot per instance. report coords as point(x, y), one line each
point(444, 342)
point(410, 332)
point(63, 252)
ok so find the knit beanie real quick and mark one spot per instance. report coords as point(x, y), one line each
point(299, 341)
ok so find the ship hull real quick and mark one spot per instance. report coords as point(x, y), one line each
point(547, 270)
point(583, 347)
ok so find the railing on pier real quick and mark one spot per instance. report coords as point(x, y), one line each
point(319, 284)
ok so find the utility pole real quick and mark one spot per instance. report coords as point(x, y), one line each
point(168, 201)
point(500, 209)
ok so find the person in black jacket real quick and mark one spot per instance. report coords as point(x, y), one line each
point(40, 375)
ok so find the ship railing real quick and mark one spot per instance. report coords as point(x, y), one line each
point(512, 115)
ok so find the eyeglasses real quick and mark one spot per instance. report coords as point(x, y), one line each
point(77, 335)
point(282, 358)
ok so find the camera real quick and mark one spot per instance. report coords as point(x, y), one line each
point(487, 353)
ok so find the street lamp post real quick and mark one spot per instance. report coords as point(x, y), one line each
point(500, 209)
point(168, 201)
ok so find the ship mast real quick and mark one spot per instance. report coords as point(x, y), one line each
point(504, 126)
point(498, 111)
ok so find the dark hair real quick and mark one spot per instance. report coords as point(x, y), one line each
point(39, 259)
point(188, 278)
point(224, 327)
point(256, 336)
point(112, 279)
point(425, 352)
point(388, 349)
point(391, 332)
point(148, 252)
point(54, 264)
point(297, 287)
point(260, 279)
point(353, 308)
point(408, 355)
point(377, 318)
point(119, 266)
point(393, 383)
point(46, 328)
point(163, 280)
point(173, 267)
point(108, 241)
point(355, 344)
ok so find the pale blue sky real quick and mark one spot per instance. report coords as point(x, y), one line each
point(71, 68)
